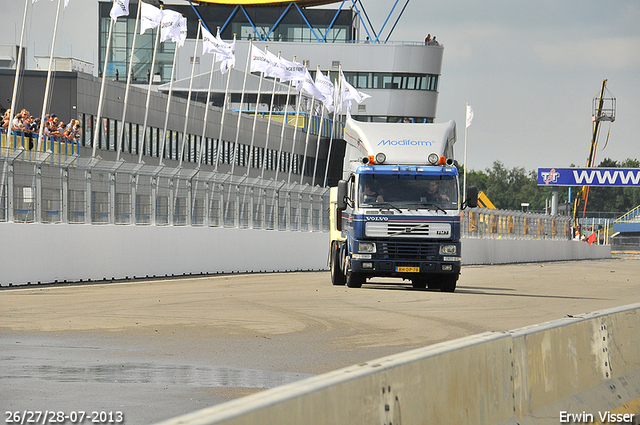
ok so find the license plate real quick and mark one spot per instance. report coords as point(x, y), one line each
point(408, 269)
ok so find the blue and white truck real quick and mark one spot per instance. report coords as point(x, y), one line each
point(396, 212)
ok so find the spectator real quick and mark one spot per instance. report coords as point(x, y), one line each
point(434, 42)
point(427, 39)
point(5, 121)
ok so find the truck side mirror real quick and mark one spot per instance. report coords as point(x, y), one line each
point(342, 195)
point(472, 197)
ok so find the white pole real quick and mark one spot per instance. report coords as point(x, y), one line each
point(333, 126)
point(255, 119)
point(306, 139)
point(126, 91)
point(14, 97)
point(224, 108)
point(186, 115)
point(244, 85)
point(206, 109)
point(284, 125)
point(266, 141)
point(48, 85)
point(464, 184)
point(295, 130)
point(166, 115)
point(148, 103)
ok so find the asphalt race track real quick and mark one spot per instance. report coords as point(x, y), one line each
point(156, 349)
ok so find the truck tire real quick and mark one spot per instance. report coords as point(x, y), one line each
point(337, 277)
point(448, 282)
point(354, 280)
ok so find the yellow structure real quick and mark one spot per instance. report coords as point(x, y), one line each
point(484, 202)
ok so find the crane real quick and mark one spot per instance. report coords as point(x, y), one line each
point(604, 109)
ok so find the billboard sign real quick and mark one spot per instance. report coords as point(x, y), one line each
point(620, 177)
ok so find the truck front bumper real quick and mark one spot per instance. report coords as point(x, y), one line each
point(407, 269)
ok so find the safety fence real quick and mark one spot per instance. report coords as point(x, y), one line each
point(492, 223)
point(59, 188)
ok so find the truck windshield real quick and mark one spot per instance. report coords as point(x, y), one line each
point(410, 192)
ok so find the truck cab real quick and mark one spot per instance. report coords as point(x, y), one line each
point(397, 220)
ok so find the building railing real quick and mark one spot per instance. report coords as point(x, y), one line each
point(495, 224)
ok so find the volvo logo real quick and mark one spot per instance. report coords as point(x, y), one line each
point(370, 218)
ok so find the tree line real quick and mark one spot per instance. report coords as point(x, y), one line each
point(508, 188)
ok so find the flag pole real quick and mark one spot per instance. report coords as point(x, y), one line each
point(306, 139)
point(206, 109)
point(126, 92)
point(325, 181)
point(186, 114)
point(244, 85)
point(14, 97)
point(224, 108)
point(166, 115)
point(466, 126)
point(266, 141)
point(255, 119)
point(284, 125)
point(295, 130)
point(48, 85)
point(148, 103)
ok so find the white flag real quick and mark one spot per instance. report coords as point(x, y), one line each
point(119, 8)
point(308, 86)
point(225, 52)
point(469, 115)
point(325, 86)
point(350, 93)
point(66, 3)
point(294, 71)
point(259, 61)
point(170, 26)
point(150, 17)
point(278, 69)
point(182, 27)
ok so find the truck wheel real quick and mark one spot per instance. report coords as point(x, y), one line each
point(337, 277)
point(448, 282)
point(354, 280)
point(419, 283)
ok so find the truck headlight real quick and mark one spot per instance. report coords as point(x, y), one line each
point(448, 249)
point(369, 247)
point(433, 158)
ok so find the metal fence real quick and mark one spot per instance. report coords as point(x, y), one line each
point(71, 189)
point(62, 188)
point(494, 224)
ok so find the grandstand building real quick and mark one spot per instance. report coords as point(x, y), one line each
point(402, 79)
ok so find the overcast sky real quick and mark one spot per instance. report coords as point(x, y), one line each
point(530, 70)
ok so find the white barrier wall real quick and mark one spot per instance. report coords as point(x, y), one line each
point(503, 251)
point(33, 253)
point(584, 365)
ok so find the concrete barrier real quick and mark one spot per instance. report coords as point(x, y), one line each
point(503, 251)
point(45, 253)
point(583, 367)
point(33, 253)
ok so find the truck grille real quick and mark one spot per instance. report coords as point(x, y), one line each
point(407, 251)
point(376, 229)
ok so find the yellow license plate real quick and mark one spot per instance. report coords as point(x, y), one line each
point(408, 269)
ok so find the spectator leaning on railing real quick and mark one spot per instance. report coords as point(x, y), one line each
point(23, 124)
